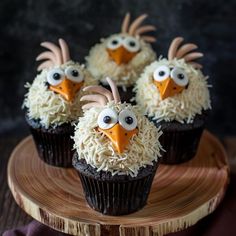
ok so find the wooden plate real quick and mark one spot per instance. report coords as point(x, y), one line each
point(180, 196)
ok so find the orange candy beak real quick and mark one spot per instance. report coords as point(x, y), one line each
point(119, 136)
point(168, 88)
point(67, 88)
point(121, 55)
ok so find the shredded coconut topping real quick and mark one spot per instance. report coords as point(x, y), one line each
point(100, 65)
point(181, 107)
point(49, 107)
point(93, 146)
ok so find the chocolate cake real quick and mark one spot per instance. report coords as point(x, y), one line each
point(181, 140)
point(117, 194)
point(54, 144)
point(117, 152)
point(52, 103)
point(174, 94)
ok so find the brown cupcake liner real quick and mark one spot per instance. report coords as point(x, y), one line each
point(54, 145)
point(180, 146)
point(114, 196)
point(180, 141)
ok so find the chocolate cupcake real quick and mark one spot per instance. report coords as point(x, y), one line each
point(177, 99)
point(117, 153)
point(123, 56)
point(52, 103)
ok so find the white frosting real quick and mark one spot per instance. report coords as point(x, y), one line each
point(181, 107)
point(100, 65)
point(97, 149)
point(49, 107)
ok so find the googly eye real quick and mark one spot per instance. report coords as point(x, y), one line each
point(161, 73)
point(107, 118)
point(131, 44)
point(127, 119)
point(74, 74)
point(179, 76)
point(114, 42)
point(55, 76)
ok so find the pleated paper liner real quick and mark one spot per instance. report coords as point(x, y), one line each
point(118, 194)
point(54, 145)
point(180, 141)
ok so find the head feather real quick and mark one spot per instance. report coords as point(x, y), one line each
point(56, 56)
point(135, 28)
point(184, 52)
point(102, 96)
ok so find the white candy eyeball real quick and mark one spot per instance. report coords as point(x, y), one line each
point(107, 118)
point(127, 119)
point(55, 76)
point(161, 73)
point(114, 42)
point(74, 74)
point(131, 44)
point(179, 76)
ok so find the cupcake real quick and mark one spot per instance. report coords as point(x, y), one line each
point(52, 103)
point(117, 152)
point(123, 56)
point(174, 93)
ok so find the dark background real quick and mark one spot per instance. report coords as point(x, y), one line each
point(24, 24)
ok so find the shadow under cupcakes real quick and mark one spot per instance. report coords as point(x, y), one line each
point(118, 194)
point(54, 144)
point(181, 140)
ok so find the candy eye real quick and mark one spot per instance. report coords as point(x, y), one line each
point(131, 44)
point(161, 73)
point(107, 118)
point(127, 119)
point(114, 42)
point(179, 76)
point(55, 76)
point(74, 74)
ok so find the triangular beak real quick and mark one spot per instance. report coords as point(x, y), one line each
point(67, 88)
point(119, 136)
point(168, 88)
point(121, 55)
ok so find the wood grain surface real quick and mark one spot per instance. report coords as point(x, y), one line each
point(10, 214)
point(180, 196)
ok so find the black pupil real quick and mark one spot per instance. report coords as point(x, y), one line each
point(180, 76)
point(74, 73)
point(132, 43)
point(129, 120)
point(56, 76)
point(114, 42)
point(107, 119)
point(161, 73)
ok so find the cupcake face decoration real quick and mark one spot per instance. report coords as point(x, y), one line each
point(172, 79)
point(118, 127)
point(124, 55)
point(174, 88)
point(112, 136)
point(53, 98)
point(123, 47)
point(66, 81)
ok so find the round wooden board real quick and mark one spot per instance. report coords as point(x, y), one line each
point(180, 196)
